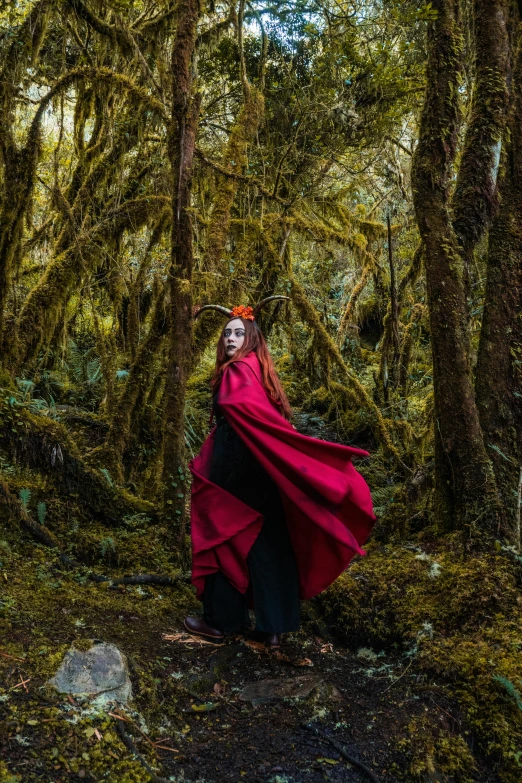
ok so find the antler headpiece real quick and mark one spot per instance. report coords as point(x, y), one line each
point(240, 311)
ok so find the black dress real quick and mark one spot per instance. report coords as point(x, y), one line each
point(274, 581)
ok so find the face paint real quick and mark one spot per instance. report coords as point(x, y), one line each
point(234, 337)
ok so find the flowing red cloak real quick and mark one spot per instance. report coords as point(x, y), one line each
point(327, 502)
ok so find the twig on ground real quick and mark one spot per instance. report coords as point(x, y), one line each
point(399, 677)
point(13, 657)
point(337, 745)
point(22, 683)
point(186, 638)
point(129, 744)
point(156, 744)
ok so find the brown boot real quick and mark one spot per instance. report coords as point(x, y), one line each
point(198, 627)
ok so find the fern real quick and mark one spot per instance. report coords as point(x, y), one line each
point(84, 365)
point(107, 544)
point(93, 371)
point(500, 452)
point(510, 688)
point(25, 497)
point(41, 511)
point(26, 387)
point(382, 497)
point(107, 476)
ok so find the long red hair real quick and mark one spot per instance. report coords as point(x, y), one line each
point(254, 341)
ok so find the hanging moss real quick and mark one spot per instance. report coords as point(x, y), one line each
point(406, 348)
point(310, 315)
point(42, 307)
point(137, 381)
point(348, 315)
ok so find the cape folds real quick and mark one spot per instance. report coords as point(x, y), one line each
point(327, 502)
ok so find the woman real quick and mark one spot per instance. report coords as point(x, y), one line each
point(276, 516)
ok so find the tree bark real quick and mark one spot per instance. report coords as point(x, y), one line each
point(18, 163)
point(499, 365)
point(464, 482)
point(182, 143)
point(475, 198)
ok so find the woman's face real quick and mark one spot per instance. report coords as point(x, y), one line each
point(234, 337)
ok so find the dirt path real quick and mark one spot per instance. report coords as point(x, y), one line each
point(274, 740)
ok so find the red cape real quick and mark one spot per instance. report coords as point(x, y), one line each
point(327, 503)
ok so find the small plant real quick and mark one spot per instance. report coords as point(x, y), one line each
point(510, 688)
point(107, 545)
point(107, 476)
point(41, 511)
point(26, 387)
point(25, 497)
point(135, 520)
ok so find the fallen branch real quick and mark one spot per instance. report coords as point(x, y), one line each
point(22, 684)
point(339, 748)
point(129, 744)
point(156, 744)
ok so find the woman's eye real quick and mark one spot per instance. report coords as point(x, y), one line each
point(227, 332)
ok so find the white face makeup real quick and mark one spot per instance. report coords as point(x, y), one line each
point(234, 336)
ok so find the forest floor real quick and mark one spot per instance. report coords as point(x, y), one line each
point(187, 694)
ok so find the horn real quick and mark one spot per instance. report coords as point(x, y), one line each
point(218, 308)
point(263, 302)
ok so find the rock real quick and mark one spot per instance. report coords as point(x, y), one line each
point(326, 692)
point(100, 673)
point(287, 688)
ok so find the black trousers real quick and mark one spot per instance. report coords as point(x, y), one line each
point(274, 580)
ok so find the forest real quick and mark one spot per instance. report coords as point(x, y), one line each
point(362, 158)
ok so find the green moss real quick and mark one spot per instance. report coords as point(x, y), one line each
point(460, 616)
point(6, 776)
point(43, 610)
point(433, 753)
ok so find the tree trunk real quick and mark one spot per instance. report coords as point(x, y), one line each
point(182, 142)
point(464, 481)
point(499, 365)
point(18, 163)
point(390, 346)
point(475, 198)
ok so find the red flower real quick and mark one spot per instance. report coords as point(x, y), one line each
point(242, 311)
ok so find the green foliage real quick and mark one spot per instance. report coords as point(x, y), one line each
point(382, 497)
point(511, 689)
point(107, 475)
point(107, 546)
point(25, 497)
point(41, 511)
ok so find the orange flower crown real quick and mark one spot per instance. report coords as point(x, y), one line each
point(243, 311)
